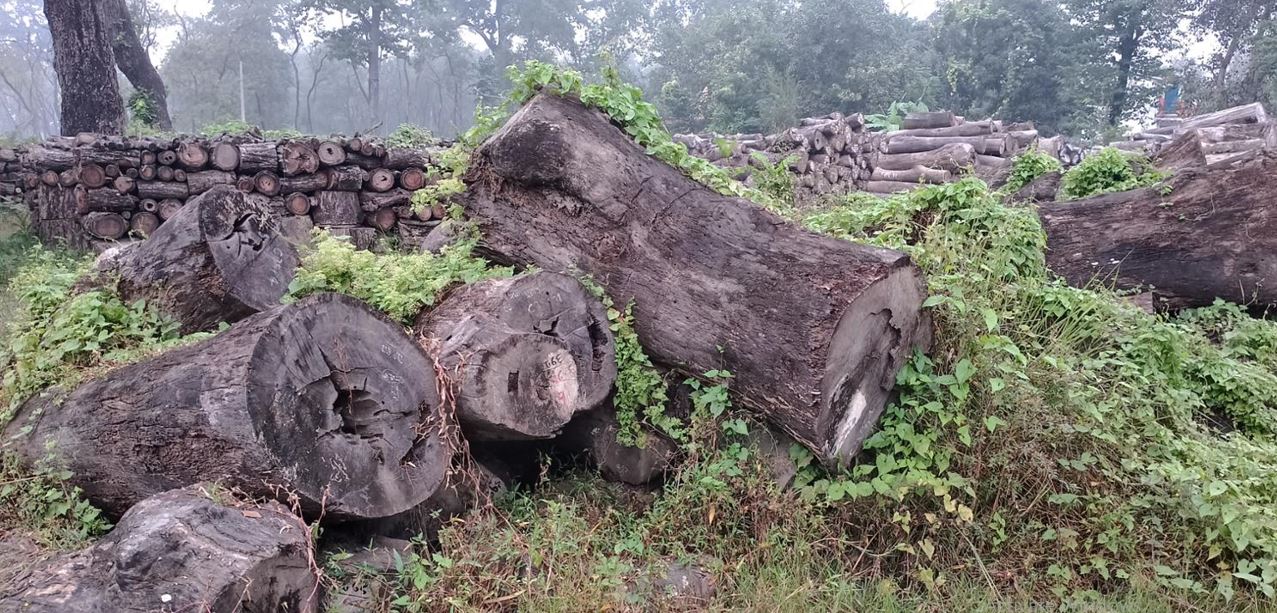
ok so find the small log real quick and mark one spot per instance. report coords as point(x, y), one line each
point(365, 162)
point(180, 551)
point(297, 158)
point(331, 153)
point(102, 199)
point(39, 156)
point(147, 172)
point(149, 205)
point(68, 178)
point(219, 258)
point(225, 156)
point(167, 157)
point(561, 187)
point(993, 161)
point(111, 170)
point(890, 187)
point(953, 158)
point(297, 203)
point(304, 183)
point(147, 158)
point(160, 190)
point(527, 354)
point(985, 145)
point(323, 399)
point(179, 175)
point(917, 174)
point(245, 183)
point(1206, 234)
point(929, 120)
point(123, 184)
point(267, 183)
point(346, 178)
point(334, 208)
point(402, 158)
point(131, 173)
point(164, 173)
point(204, 180)
point(371, 201)
point(256, 157)
point(108, 226)
point(192, 155)
point(168, 208)
point(49, 177)
point(383, 219)
point(144, 223)
point(1230, 132)
point(92, 175)
point(354, 144)
point(381, 180)
point(412, 178)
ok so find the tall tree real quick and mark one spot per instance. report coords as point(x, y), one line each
point(1134, 33)
point(369, 30)
point(133, 60)
point(1235, 23)
point(85, 65)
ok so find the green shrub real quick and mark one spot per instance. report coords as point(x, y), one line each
point(1110, 170)
point(230, 126)
point(1029, 166)
point(410, 135)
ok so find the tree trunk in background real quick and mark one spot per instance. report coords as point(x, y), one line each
point(133, 60)
point(374, 63)
point(85, 65)
point(1126, 49)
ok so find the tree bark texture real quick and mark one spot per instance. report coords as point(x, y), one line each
point(85, 65)
point(814, 328)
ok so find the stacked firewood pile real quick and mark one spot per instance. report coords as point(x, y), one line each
point(1213, 137)
point(374, 431)
point(826, 154)
point(91, 188)
point(937, 147)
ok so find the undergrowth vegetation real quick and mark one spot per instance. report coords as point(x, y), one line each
point(1110, 170)
point(1029, 166)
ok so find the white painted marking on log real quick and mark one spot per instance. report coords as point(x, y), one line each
point(849, 421)
point(562, 375)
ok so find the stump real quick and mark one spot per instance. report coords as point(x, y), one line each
point(527, 353)
point(218, 258)
point(180, 551)
point(814, 328)
point(323, 399)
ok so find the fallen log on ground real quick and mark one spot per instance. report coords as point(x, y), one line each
point(180, 551)
point(217, 259)
point(323, 399)
point(1210, 236)
point(814, 328)
point(527, 354)
point(952, 157)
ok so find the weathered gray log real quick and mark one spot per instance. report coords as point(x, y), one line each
point(225, 156)
point(297, 203)
point(192, 155)
point(383, 219)
point(103, 199)
point(814, 328)
point(109, 226)
point(595, 434)
point(334, 208)
point(380, 180)
point(1216, 148)
point(371, 201)
point(1247, 113)
point(39, 156)
point(929, 120)
point(1045, 188)
point(986, 145)
point(952, 157)
point(993, 161)
point(917, 174)
point(167, 157)
point(346, 178)
point(144, 223)
point(361, 237)
point(297, 157)
point(164, 173)
point(162, 189)
point(331, 153)
point(527, 353)
point(180, 551)
point(303, 183)
point(971, 128)
point(322, 399)
point(266, 183)
point(890, 187)
point(402, 158)
point(168, 208)
point(204, 180)
point(1209, 236)
point(218, 259)
point(91, 175)
point(256, 157)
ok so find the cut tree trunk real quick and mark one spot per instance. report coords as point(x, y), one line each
point(180, 551)
point(303, 183)
point(412, 178)
point(526, 354)
point(333, 208)
point(953, 158)
point(913, 175)
point(974, 128)
point(192, 155)
point(168, 208)
point(160, 190)
point(108, 226)
point(93, 176)
point(1184, 152)
point(297, 158)
point(347, 178)
point(331, 153)
point(266, 183)
point(1210, 236)
point(814, 328)
point(398, 158)
point(890, 187)
point(985, 145)
point(200, 182)
point(219, 259)
point(297, 203)
point(256, 157)
point(322, 399)
point(144, 223)
point(103, 199)
point(931, 120)
point(225, 156)
point(381, 180)
point(371, 201)
point(1247, 113)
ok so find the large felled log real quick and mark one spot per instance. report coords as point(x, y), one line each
point(527, 353)
point(985, 145)
point(323, 399)
point(929, 120)
point(971, 128)
point(917, 174)
point(1211, 236)
point(180, 551)
point(218, 259)
point(953, 158)
point(814, 328)
point(1247, 113)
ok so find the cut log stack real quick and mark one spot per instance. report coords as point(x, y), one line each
point(1221, 136)
point(939, 147)
point(826, 154)
point(91, 189)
